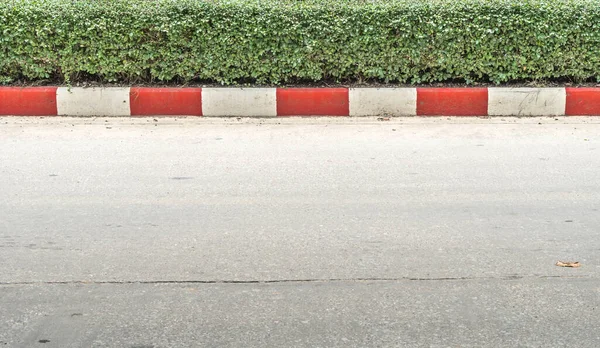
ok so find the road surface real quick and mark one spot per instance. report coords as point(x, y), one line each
point(192, 232)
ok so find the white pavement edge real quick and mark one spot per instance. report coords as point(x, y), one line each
point(260, 102)
point(383, 101)
point(526, 101)
point(77, 101)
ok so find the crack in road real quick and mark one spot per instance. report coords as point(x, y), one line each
point(275, 281)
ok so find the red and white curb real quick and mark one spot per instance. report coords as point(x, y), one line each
point(272, 102)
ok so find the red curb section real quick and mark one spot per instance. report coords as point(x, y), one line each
point(28, 101)
point(312, 102)
point(452, 101)
point(165, 101)
point(582, 101)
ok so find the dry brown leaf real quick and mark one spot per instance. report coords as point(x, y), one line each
point(568, 264)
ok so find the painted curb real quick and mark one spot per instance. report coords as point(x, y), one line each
point(583, 101)
point(272, 102)
point(165, 101)
point(251, 102)
point(312, 102)
point(29, 101)
point(92, 101)
point(452, 101)
point(526, 101)
point(383, 101)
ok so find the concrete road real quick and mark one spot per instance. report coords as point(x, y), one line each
point(299, 232)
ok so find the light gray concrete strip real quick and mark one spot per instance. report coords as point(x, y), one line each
point(187, 200)
point(472, 313)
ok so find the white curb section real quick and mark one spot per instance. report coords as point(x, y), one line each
point(526, 101)
point(383, 101)
point(77, 101)
point(261, 102)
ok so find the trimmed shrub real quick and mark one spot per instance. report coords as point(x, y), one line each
point(287, 41)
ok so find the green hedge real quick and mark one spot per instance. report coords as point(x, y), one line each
point(287, 41)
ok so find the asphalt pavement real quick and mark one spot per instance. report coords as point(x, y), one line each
point(408, 232)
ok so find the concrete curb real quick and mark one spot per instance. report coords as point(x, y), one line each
point(273, 102)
